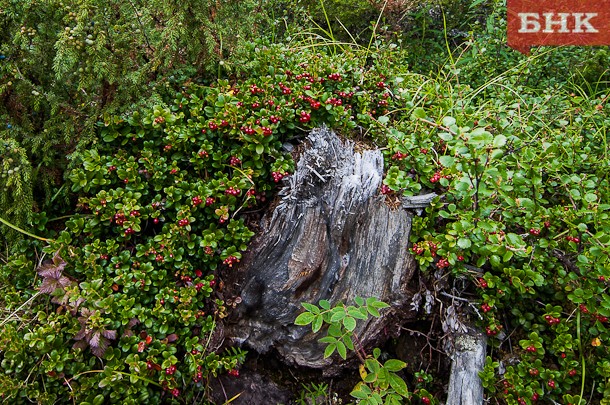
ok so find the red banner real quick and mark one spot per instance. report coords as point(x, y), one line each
point(557, 22)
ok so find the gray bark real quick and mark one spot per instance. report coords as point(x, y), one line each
point(468, 360)
point(334, 237)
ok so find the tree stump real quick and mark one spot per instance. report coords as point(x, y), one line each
point(332, 236)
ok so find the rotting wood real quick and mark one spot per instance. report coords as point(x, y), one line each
point(331, 237)
point(468, 359)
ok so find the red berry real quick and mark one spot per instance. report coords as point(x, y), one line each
point(442, 263)
point(229, 261)
point(304, 117)
point(551, 384)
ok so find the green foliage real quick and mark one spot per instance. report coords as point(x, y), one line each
point(380, 383)
point(313, 393)
point(122, 306)
point(64, 64)
point(127, 300)
point(16, 200)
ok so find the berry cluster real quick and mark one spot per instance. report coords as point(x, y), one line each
point(551, 320)
point(417, 249)
point(307, 76)
point(254, 89)
point(436, 177)
point(183, 222)
point(277, 176)
point(234, 161)
point(399, 156)
point(285, 89)
point(229, 261)
point(196, 200)
point(334, 101)
point(119, 218)
point(492, 330)
point(442, 263)
point(248, 130)
point(232, 191)
point(304, 117)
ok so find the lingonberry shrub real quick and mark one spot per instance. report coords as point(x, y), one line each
point(527, 219)
point(128, 297)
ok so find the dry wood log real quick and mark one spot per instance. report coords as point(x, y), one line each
point(467, 361)
point(333, 236)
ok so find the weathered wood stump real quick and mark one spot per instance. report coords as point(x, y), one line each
point(465, 385)
point(333, 236)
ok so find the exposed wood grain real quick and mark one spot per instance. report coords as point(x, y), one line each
point(468, 360)
point(331, 237)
